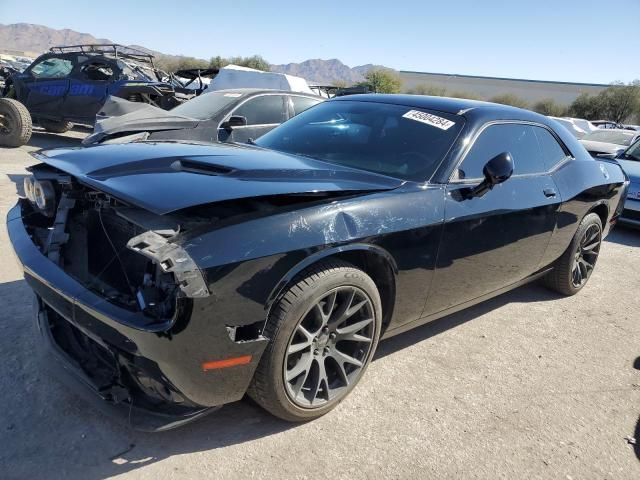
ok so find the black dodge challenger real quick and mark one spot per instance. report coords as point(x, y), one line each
point(175, 277)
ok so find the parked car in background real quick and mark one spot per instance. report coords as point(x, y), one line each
point(585, 125)
point(607, 124)
point(609, 141)
point(175, 277)
point(70, 84)
point(220, 116)
point(629, 160)
point(574, 129)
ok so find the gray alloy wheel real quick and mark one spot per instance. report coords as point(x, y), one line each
point(323, 332)
point(329, 346)
point(586, 254)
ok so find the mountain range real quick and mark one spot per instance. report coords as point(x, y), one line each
point(39, 38)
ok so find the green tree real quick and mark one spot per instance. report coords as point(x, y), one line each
point(620, 102)
point(426, 89)
point(255, 61)
point(548, 106)
point(587, 106)
point(382, 80)
point(510, 99)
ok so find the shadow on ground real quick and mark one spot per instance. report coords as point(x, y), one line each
point(39, 414)
point(43, 139)
point(636, 435)
point(625, 236)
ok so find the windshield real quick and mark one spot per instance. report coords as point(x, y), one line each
point(612, 136)
point(206, 105)
point(633, 152)
point(394, 140)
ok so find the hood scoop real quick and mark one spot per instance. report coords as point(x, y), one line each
point(201, 168)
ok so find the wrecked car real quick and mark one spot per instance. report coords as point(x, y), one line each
point(174, 277)
point(70, 84)
point(238, 115)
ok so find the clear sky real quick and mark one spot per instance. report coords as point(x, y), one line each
point(573, 40)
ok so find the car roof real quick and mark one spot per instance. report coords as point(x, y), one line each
point(442, 104)
point(251, 91)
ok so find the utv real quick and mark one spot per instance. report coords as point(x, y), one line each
point(70, 84)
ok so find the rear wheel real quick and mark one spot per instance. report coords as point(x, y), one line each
point(15, 123)
point(573, 269)
point(54, 126)
point(323, 334)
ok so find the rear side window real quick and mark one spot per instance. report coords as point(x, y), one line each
point(52, 68)
point(519, 140)
point(300, 104)
point(264, 110)
point(551, 151)
point(97, 71)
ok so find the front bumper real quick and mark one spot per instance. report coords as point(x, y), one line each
point(170, 356)
point(631, 213)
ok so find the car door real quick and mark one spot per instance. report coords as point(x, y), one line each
point(47, 85)
point(88, 84)
point(495, 240)
point(263, 113)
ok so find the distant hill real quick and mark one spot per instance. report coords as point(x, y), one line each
point(38, 38)
point(325, 71)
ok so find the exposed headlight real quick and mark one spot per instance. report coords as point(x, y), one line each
point(42, 194)
point(28, 188)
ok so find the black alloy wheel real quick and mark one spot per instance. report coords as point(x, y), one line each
point(586, 255)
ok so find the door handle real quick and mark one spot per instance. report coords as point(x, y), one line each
point(549, 192)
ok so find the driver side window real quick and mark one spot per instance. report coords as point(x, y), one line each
point(517, 139)
point(52, 68)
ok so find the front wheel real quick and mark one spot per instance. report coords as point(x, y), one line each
point(15, 123)
point(324, 332)
point(573, 269)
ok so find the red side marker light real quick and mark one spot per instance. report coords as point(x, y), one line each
point(227, 362)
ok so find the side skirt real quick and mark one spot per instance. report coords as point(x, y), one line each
point(462, 306)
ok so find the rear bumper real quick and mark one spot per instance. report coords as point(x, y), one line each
point(170, 358)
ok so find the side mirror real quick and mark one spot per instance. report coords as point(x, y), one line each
point(234, 121)
point(496, 170)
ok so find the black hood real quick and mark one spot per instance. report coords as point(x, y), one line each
point(165, 177)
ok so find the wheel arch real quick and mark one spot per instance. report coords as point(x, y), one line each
point(372, 259)
point(601, 208)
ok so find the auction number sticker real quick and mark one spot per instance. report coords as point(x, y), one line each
point(429, 119)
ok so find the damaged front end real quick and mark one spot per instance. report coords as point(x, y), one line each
point(123, 254)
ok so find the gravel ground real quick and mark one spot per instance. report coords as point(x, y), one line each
point(527, 385)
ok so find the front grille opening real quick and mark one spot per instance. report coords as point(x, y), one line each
point(96, 254)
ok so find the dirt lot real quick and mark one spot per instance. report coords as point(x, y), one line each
point(528, 385)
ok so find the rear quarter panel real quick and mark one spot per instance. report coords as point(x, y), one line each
point(584, 184)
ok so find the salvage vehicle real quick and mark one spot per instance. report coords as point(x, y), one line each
point(70, 84)
point(174, 277)
point(609, 141)
point(238, 115)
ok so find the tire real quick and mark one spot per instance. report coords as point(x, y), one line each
point(335, 349)
point(54, 126)
point(581, 255)
point(15, 123)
